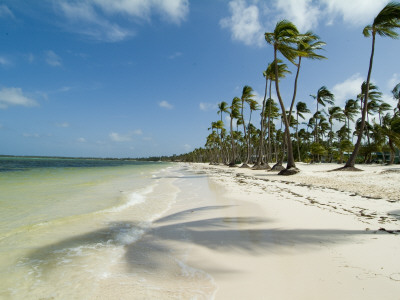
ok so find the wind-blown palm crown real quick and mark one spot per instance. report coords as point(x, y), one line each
point(284, 39)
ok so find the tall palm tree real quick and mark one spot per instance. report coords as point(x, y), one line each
point(306, 47)
point(396, 95)
point(384, 25)
point(284, 39)
point(301, 108)
point(246, 97)
point(381, 109)
point(269, 75)
point(323, 97)
point(334, 113)
point(234, 113)
point(223, 108)
point(350, 110)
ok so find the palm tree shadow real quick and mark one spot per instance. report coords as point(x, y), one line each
point(149, 248)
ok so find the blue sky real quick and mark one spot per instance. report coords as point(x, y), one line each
point(132, 78)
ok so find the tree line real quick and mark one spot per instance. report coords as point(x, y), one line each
point(240, 142)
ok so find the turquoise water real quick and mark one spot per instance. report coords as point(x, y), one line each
point(64, 223)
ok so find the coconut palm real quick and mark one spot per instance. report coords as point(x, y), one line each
point(396, 95)
point(284, 39)
point(384, 24)
point(383, 107)
point(301, 108)
point(234, 113)
point(306, 46)
point(323, 97)
point(246, 97)
point(350, 110)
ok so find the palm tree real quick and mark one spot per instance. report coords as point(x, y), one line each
point(381, 109)
point(396, 95)
point(350, 110)
point(285, 39)
point(246, 97)
point(384, 25)
point(334, 113)
point(323, 97)
point(306, 47)
point(301, 108)
point(233, 114)
point(223, 108)
point(269, 74)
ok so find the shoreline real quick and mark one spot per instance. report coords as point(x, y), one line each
point(296, 237)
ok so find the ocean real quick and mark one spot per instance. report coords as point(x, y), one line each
point(66, 226)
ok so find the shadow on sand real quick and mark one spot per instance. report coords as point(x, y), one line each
point(150, 250)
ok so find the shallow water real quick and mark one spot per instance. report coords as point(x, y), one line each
point(79, 231)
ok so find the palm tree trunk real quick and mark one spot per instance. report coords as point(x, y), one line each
point(261, 146)
point(352, 159)
point(297, 136)
point(290, 160)
point(232, 145)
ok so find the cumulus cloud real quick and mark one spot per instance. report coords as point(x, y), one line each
point(127, 137)
point(117, 137)
point(393, 81)
point(249, 19)
point(303, 13)
point(165, 104)
point(81, 140)
point(354, 12)
point(348, 89)
point(14, 97)
point(94, 18)
point(244, 23)
point(207, 106)
point(53, 59)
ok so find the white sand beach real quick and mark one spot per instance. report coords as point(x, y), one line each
point(314, 235)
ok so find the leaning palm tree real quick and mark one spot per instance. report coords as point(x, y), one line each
point(234, 113)
point(269, 75)
point(284, 39)
point(246, 97)
point(396, 95)
point(384, 25)
point(301, 108)
point(350, 110)
point(306, 47)
point(323, 97)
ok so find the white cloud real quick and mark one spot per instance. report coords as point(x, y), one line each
point(81, 140)
point(53, 59)
point(303, 13)
point(249, 19)
point(244, 23)
point(348, 89)
point(14, 96)
point(204, 106)
point(165, 104)
point(393, 81)
point(116, 137)
point(354, 12)
point(93, 17)
point(5, 12)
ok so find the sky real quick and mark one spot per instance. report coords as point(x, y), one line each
point(139, 78)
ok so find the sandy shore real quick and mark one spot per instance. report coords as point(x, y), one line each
point(315, 235)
